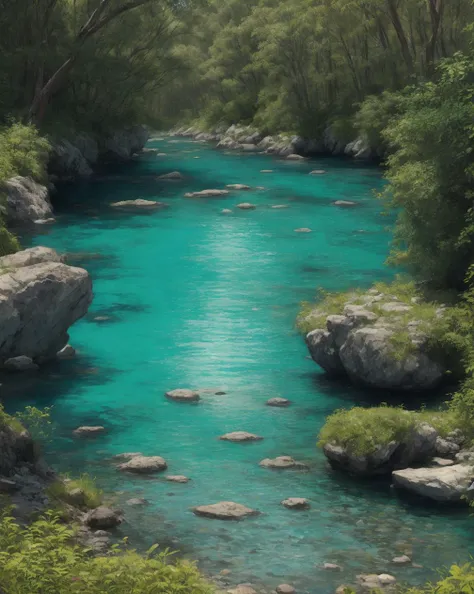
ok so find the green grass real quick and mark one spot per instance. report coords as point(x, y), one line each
point(60, 490)
point(362, 430)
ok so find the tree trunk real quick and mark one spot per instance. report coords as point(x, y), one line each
point(397, 25)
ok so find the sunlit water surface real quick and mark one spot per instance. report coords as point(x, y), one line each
point(189, 297)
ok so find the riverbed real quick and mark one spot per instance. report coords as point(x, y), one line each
point(189, 297)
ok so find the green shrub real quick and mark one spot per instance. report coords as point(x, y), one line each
point(60, 490)
point(43, 559)
point(23, 152)
point(362, 430)
point(459, 580)
point(38, 422)
point(375, 114)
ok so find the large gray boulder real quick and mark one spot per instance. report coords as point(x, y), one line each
point(29, 257)
point(123, 144)
point(225, 510)
point(38, 304)
point(358, 343)
point(417, 446)
point(27, 201)
point(449, 483)
point(67, 160)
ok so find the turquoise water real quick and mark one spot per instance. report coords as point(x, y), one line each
point(189, 297)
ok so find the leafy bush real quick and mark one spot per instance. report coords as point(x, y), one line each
point(362, 430)
point(61, 489)
point(38, 422)
point(374, 115)
point(23, 152)
point(42, 558)
point(459, 580)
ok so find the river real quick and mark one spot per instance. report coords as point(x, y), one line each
point(190, 297)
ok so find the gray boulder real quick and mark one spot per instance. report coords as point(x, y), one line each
point(102, 518)
point(29, 257)
point(445, 448)
point(87, 146)
point(144, 465)
point(449, 483)
point(20, 363)
point(26, 201)
point(282, 463)
point(240, 436)
point(38, 304)
point(323, 350)
point(123, 144)
point(67, 161)
point(225, 510)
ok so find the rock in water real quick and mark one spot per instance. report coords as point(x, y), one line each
point(317, 172)
point(144, 465)
point(38, 304)
point(226, 211)
point(239, 436)
point(303, 230)
point(20, 363)
point(67, 352)
point(179, 478)
point(173, 175)
point(345, 203)
point(225, 510)
point(294, 157)
point(246, 206)
point(278, 402)
point(183, 395)
point(242, 589)
point(207, 193)
point(139, 204)
point(137, 501)
point(102, 518)
point(27, 201)
point(89, 431)
point(238, 187)
point(448, 483)
point(296, 503)
point(282, 462)
point(285, 589)
point(127, 456)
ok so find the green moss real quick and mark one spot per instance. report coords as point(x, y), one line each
point(313, 315)
point(60, 490)
point(362, 430)
point(10, 421)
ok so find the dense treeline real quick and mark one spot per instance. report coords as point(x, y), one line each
point(295, 65)
point(87, 64)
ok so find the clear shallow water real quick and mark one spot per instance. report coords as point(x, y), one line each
point(194, 298)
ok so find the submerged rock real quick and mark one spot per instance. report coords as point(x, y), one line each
point(89, 431)
point(282, 402)
point(246, 206)
point(207, 193)
point(375, 582)
point(332, 567)
point(26, 201)
point(144, 465)
point(317, 172)
point(103, 518)
point(20, 363)
point(126, 456)
point(345, 203)
point(238, 187)
point(183, 395)
point(239, 436)
point(294, 157)
point(225, 510)
point(137, 501)
point(242, 589)
point(303, 230)
point(38, 303)
point(226, 211)
point(173, 175)
point(178, 478)
point(285, 589)
point(296, 503)
point(280, 206)
point(282, 462)
point(139, 203)
point(402, 560)
point(449, 483)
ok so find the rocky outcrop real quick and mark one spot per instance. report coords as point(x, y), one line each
point(39, 302)
point(248, 139)
point(359, 343)
point(67, 161)
point(26, 201)
point(225, 510)
point(417, 446)
point(123, 144)
point(450, 483)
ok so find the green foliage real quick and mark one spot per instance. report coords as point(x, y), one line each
point(61, 490)
point(42, 558)
point(38, 422)
point(314, 316)
point(23, 152)
point(9, 421)
point(362, 430)
point(374, 115)
point(430, 176)
point(459, 580)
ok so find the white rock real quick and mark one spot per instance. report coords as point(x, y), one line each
point(441, 484)
point(239, 436)
point(67, 352)
point(225, 510)
point(26, 201)
point(144, 465)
